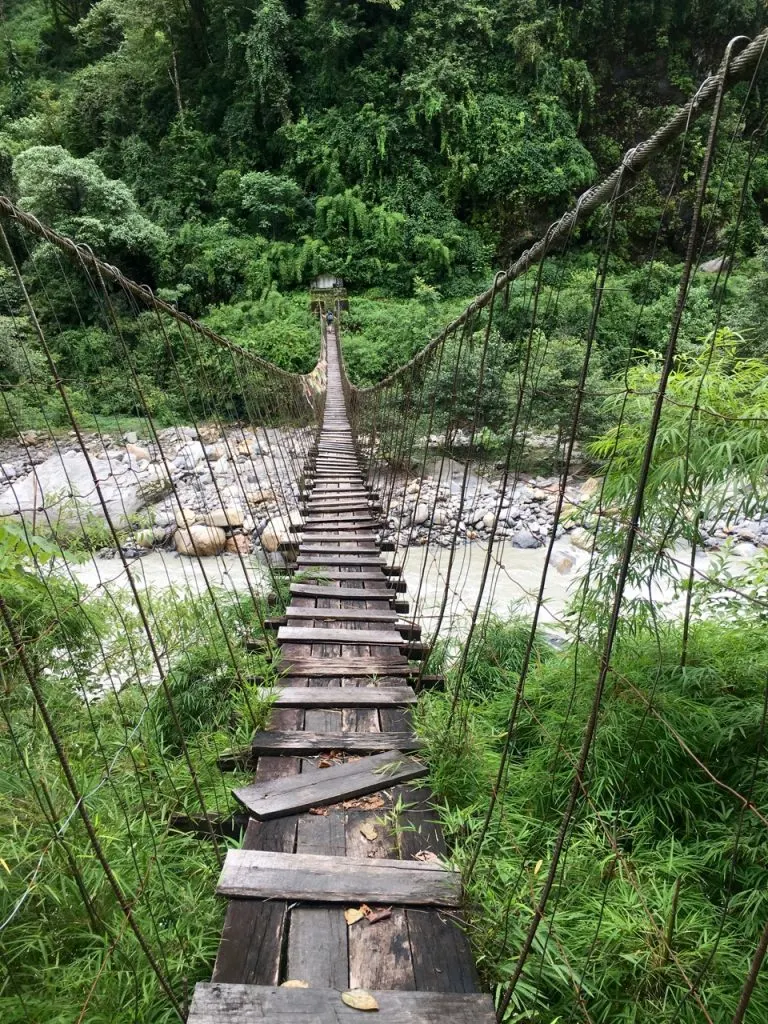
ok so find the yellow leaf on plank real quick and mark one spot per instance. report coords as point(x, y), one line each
point(369, 832)
point(359, 999)
point(353, 915)
point(295, 983)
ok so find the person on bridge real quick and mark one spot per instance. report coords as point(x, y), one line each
point(329, 318)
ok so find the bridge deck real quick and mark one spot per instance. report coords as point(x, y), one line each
point(286, 916)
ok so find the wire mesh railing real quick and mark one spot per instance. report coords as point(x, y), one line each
point(615, 495)
point(145, 511)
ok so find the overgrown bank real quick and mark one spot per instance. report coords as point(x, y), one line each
point(139, 760)
point(661, 879)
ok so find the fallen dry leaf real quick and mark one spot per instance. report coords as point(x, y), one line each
point(295, 983)
point(426, 855)
point(359, 999)
point(353, 915)
point(365, 803)
point(318, 810)
point(372, 916)
point(369, 832)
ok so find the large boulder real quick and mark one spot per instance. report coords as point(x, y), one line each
point(200, 540)
point(581, 538)
point(224, 517)
point(238, 544)
point(421, 514)
point(276, 532)
point(138, 453)
point(62, 489)
point(524, 539)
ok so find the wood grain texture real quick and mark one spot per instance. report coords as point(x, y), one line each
point(307, 743)
point(340, 696)
point(319, 786)
point(319, 635)
point(252, 1004)
point(261, 874)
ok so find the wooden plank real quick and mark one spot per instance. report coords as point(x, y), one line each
point(343, 614)
point(317, 936)
point(343, 547)
point(342, 593)
point(347, 576)
point(318, 635)
point(331, 558)
point(340, 696)
point(379, 955)
point(320, 786)
point(340, 535)
point(255, 1004)
point(351, 666)
point(260, 874)
point(252, 937)
point(305, 744)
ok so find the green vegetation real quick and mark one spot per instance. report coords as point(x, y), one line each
point(654, 824)
point(224, 155)
point(62, 929)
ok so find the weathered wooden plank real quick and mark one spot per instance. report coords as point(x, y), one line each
point(379, 954)
point(342, 547)
point(350, 666)
point(330, 558)
point(344, 614)
point(319, 786)
point(259, 874)
point(318, 635)
point(252, 937)
point(254, 1004)
point(317, 936)
point(336, 593)
point(341, 696)
point(304, 744)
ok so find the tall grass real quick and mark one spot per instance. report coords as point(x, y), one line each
point(664, 871)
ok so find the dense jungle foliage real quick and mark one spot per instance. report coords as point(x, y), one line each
point(223, 154)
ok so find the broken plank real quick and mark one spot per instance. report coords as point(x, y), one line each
point(340, 696)
point(255, 1004)
point(316, 787)
point(259, 874)
point(305, 744)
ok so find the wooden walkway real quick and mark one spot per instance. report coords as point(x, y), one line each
point(340, 883)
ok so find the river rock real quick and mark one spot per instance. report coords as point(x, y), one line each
point(131, 437)
point(238, 544)
point(524, 539)
point(581, 538)
point(420, 515)
point(224, 517)
point(260, 497)
point(148, 538)
point(186, 517)
point(276, 532)
point(138, 453)
point(200, 540)
point(156, 486)
point(489, 520)
point(440, 517)
point(61, 488)
point(563, 562)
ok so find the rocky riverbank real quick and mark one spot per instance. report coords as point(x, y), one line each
point(235, 489)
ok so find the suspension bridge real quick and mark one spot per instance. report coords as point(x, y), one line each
point(343, 895)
